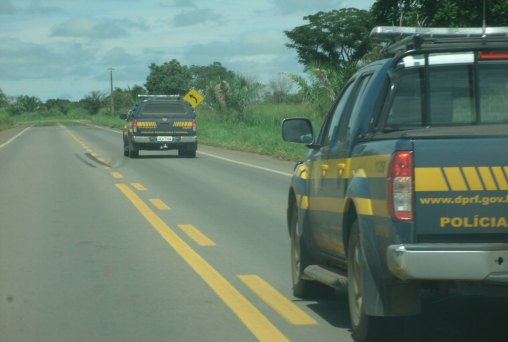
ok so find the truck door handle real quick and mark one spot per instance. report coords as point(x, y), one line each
point(341, 167)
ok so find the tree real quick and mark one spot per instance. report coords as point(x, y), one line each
point(58, 105)
point(170, 78)
point(436, 13)
point(335, 38)
point(94, 102)
point(280, 88)
point(202, 76)
point(324, 84)
point(124, 98)
point(135, 91)
point(4, 101)
point(26, 104)
point(235, 96)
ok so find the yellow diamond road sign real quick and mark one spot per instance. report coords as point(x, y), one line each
point(194, 97)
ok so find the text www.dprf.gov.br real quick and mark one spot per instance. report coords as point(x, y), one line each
point(465, 200)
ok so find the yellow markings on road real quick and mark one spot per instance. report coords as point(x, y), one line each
point(196, 235)
point(138, 186)
point(253, 319)
point(159, 204)
point(116, 175)
point(283, 306)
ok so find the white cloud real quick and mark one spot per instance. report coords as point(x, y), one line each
point(90, 28)
point(26, 60)
point(6, 7)
point(66, 47)
point(195, 16)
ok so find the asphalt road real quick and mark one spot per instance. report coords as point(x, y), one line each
point(95, 246)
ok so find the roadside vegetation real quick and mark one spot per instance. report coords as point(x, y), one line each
point(240, 112)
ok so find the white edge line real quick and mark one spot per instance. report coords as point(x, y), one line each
point(106, 128)
point(14, 137)
point(246, 164)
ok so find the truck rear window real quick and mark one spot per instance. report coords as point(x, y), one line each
point(163, 108)
point(450, 94)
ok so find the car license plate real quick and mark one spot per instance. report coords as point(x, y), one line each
point(165, 139)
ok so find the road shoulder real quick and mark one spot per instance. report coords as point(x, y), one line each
point(7, 134)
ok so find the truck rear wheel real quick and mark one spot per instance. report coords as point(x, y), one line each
point(364, 327)
point(131, 151)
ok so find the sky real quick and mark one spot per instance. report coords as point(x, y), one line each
point(65, 48)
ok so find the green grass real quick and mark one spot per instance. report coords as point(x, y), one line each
point(107, 120)
point(259, 132)
point(5, 120)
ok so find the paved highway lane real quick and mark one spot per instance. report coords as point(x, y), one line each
point(95, 246)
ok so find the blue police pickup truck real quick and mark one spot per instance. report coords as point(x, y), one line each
point(405, 187)
point(160, 122)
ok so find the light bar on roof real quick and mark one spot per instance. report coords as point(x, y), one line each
point(158, 96)
point(438, 59)
point(399, 32)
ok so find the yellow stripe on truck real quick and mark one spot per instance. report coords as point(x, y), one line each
point(487, 178)
point(482, 178)
point(455, 179)
point(473, 178)
point(500, 178)
point(430, 179)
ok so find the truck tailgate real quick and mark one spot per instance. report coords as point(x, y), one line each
point(461, 186)
point(166, 126)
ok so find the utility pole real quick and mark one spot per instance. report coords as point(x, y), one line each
point(112, 96)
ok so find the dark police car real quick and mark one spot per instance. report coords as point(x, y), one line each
point(160, 122)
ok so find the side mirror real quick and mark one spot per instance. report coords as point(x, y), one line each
point(297, 130)
point(123, 116)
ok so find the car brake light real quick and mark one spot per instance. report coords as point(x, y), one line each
point(400, 186)
point(194, 127)
point(134, 125)
point(492, 55)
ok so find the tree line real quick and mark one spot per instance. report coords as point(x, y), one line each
point(331, 46)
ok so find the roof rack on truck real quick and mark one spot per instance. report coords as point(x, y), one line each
point(402, 39)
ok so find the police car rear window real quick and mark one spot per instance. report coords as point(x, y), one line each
point(450, 93)
point(163, 108)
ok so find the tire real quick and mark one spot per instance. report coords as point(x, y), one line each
point(187, 153)
point(125, 149)
point(364, 327)
point(300, 258)
point(132, 153)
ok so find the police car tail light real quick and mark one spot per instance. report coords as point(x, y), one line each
point(194, 125)
point(134, 125)
point(400, 186)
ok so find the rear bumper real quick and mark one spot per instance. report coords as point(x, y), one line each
point(184, 139)
point(475, 262)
